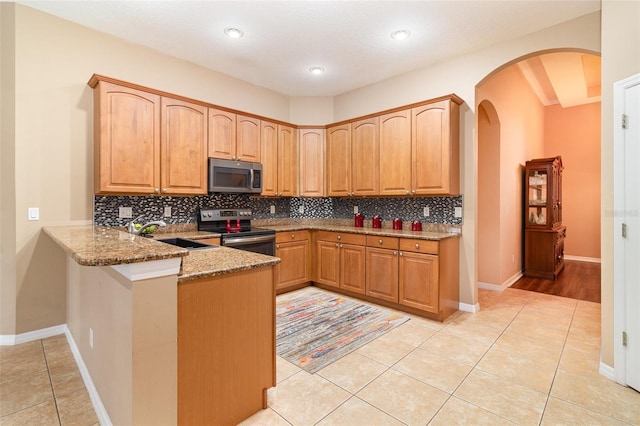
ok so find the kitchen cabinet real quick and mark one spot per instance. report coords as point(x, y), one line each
point(311, 176)
point(352, 159)
point(146, 143)
point(280, 160)
point(395, 153)
point(294, 250)
point(233, 136)
point(183, 148)
point(435, 156)
point(419, 274)
point(340, 261)
point(382, 268)
point(544, 232)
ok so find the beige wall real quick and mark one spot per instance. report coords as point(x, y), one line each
point(620, 59)
point(521, 118)
point(311, 110)
point(574, 133)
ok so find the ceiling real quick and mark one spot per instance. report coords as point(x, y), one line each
point(349, 39)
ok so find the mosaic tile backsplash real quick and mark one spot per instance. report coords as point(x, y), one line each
point(184, 209)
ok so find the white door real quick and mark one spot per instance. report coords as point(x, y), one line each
point(627, 229)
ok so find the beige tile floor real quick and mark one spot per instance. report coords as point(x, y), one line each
point(525, 358)
point(40, 384)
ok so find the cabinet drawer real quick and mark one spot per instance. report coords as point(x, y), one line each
point(341, 237)
point(382, 242)
point(283, 237)
point(419, 246)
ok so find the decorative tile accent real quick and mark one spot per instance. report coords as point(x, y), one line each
point(184, 209)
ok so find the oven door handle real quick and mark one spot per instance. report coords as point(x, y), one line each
point(248, 240)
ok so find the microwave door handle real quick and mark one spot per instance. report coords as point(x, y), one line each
point(250, 178)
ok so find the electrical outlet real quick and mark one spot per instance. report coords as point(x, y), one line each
point(301, 209)
point(273, 209)
point(91, 337)
point(355, 209)
point(425, 211)
point(457, 212)
point(125, 212)
point(167, 211)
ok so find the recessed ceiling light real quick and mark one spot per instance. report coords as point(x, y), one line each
point(233, 32)
point(316, 70)
point(400, 34)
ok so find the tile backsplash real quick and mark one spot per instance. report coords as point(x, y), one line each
point(184, 209)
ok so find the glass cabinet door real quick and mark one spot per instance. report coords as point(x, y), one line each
point(537, 181)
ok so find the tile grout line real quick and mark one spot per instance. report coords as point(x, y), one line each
point(53, 392)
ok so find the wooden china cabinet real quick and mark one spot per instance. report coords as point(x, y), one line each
point(544, 232)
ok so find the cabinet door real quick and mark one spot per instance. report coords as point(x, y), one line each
point(419, 281)
point(293, 267)
point(311, 176)
point(222, 134)
point(382, 274)
point(127, 140)
point(434, 155)
point(287, 161)
point(395, 153)
point(328, 263)
point(247, 139)
point(352, 268)
point(339, 161)
point(365, 153)
point(183, 147)
point(269, 142)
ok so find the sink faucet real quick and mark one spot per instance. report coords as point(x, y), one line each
point(131, 226)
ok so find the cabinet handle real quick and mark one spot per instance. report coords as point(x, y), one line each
point(407, 192)
point(417, 245)
point(395, 253)
point(293, 236)
point(379, 241)
point(157, 190)
point(278, 246)
point(340, 245)
point(413, 191)
point(239, 158)
point(337, 245)
point(233, 157)
point(164, 190)
point(400, 253)
point(339, 237)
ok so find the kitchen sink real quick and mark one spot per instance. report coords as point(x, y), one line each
point(185, 243)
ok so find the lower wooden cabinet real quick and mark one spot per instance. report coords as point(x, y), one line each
point(340, 261)
point(382, 274)
point(418, 281)
point(294, 269)
point(544, 252)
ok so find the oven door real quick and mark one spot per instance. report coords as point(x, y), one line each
point(264, 244)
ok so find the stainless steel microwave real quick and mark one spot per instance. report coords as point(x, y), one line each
point(234, 176)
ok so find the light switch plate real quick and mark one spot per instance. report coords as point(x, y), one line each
point(355, 209)
point(167, 211)
point(34, 213)
point(425, 211)
point(457, 212)
point(273, 209)
point(301, 209)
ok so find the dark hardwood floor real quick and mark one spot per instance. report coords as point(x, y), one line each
point(578, 280)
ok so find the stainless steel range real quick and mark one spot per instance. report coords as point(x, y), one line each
point(234, 226)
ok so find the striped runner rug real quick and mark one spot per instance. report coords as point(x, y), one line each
point(315, 328)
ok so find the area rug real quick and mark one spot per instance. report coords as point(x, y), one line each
point(315, 328)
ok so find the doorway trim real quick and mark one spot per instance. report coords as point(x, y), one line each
point(619, 371)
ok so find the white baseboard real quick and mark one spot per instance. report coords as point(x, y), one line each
point(500, 287)
point(582, 258)
point(466, 307)
point(16, 339)
point(607, 371)
point(101, 412)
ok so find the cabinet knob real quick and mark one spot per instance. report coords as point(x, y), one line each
point(339, 237)
point(417, 245)
point(278, 246)
point(337, 245)
point(407, 192)
point(340, 245)
point(233, 157)
point(156, 190)
point(239, 158)
point(413, 191)
point(379, 241)
point(400, 253)
point(395, 253)
point(164, 190)
point(293, 236)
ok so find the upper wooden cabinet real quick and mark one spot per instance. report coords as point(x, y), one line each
point(311, 145)
point(233, 136)
point(279, 159)
point(183, 153)
point(146, 143)
point(435, 163)
point(395, 153)
point(352, 158)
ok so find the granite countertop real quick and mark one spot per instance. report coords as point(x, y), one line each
point(107, 246)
